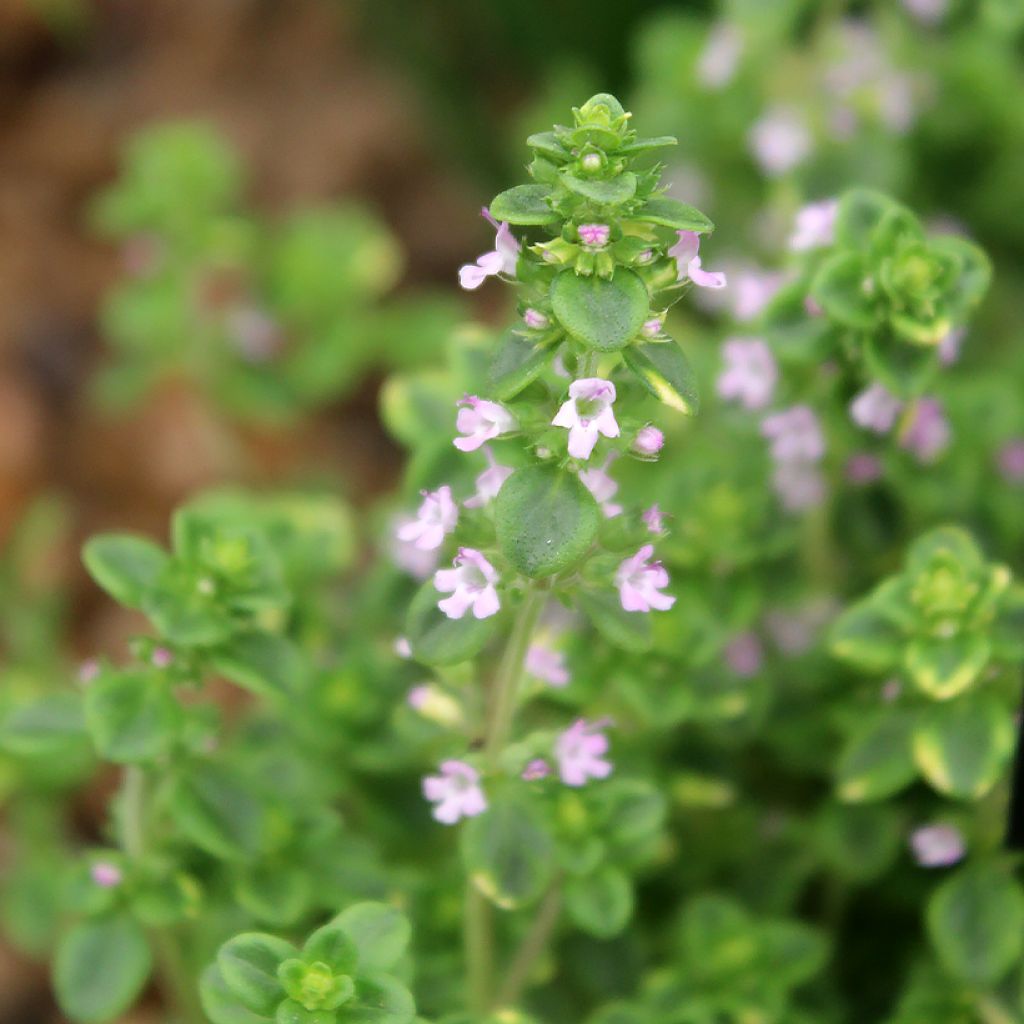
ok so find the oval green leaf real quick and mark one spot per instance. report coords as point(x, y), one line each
point(437, 640)
point(671, 213)
point(125, 566)
point(523, 204)
point(666, 373)
point(602, 314)
point(609, 192)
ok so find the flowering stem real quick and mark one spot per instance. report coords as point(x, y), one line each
point(175, 971)
point(478, 939)
point(533, 945)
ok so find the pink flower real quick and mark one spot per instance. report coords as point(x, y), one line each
point(489, 482)
point(815, 226)
point(456, 792)
point(594, 235)
point(410, 558)
point(938, 846)
point(161, 658)
point(649, 441)
point(640, 584)
point(743, 654)
point(436, 518)
point(651, 328)
point(875, 408)
point(799, 485)
point(720, 57)
point(472, 585)
point(105, 874)
point(602, 487)
point(892, 689)
point(587, 413)
point(88, 671)
point(654, 520)
point(255, 335)
point(502, 260)
point(931, 12)
point(579, 752)
point(794, 631)
point(434, 704)
point(928, 433)
point(780, 141)
point(535, 319)
point(950, 345)
point(547, 665)
point(795, 435)
point(686, 254)
point(753, 290)
point(863, 468)
point(402, 647)
point(750, 373)
point(538, 768)
point(480, 421)
point(1011, 461)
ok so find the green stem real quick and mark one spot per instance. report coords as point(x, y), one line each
point(991, 1011)
point(177, 979)
point(478, 930)
point(532, 947)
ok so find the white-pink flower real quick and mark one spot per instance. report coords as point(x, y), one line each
point(416, 561)
point(535, 319)
point(750, 373)
point(105, 875)
point(536, 769)
point(795, 435)
point(752, 290)
point(938, 846)
point(743, 654)
point(580, 753)
point(547, 665)
point(686, 253)
point(649, 441)
point(1010, 461)
point(641, 582)
point(799, 485)
point(815, 226)
point(501, 260)
point(875, 408)
point(594, 236)
point(489, 482)
point(780, 141)
point(471, 583)
point(456, 792)
point(720, 57)
point(929, 432)
point(587, 413)
point(598, 481)
point(654, 520)
point(950, 345)
point(863, 468)
point(480, 421)
point(438, 516)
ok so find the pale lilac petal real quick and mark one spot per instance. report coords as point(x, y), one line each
point(456, 606)
point(487, 604)
point(704, 278)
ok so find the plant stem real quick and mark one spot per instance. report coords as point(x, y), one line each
point(533, 945)
point(992, 1011)
point(176, 978)
point(478, 914)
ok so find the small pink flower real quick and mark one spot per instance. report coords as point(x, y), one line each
point(651, 328)
point(414, 560)
point(875, 408)
point(489, 482)
point(254, 334)
point(743, 654)
point(594, 235)
point(587, 413)
point(815, 226)
point(438, 516)
point(649, 441)
point(929, 432)
point(535, 319)
point(579, 752)
point(105, 874)
point(434, 704)
point(794, 631)
point(753, 290)
point(472, 585)
point(795, 435)
point(502, 260)
point(547, 665)
point(161, 658)
point(750, 373)
point(686, 254)
point(538, 768)
point(863, 468)
point(811, 307)
point(418, 696)
point(1011, 461)
point(950, 345)
point(891, 691)
point(640, 584)
point(799, 485)
point(720, 57)
point(456, 792)
point(780, 141)
point(88, 671)
point(600, 484)
point(930, 12)
point(654, 520)
point(480, 421)
point(938, 846)
point(402, 647)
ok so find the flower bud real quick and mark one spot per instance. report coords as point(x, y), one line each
point(535, 319)
point(649, 441)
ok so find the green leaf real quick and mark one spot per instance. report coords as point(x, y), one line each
point(547, 144)
point(43, 726)
point(666, 373)
point(523, 204)
point(643, 145)
point(380, 999)
point(265, 663)
point(248, 966)
point(974, 277)
point(866, 638)
point(546, 520)
point(334, 946)
point(792, 952)
point(876, 761)
point(132, 716)
point(125, 566)
point(963, 748)
point(220, 1004)
point(610, 192)
point(671, 213)
point(437, 640)
point(838, 287)
point(629, 630)
point(603, 314)
point(600, 903)
point(291, 1012)
point(906, 370)
point(216, 809)
point(380, 934)
point(517, 363)
point(859, 841)
point(100, 967)
point(944, 667)
point(860, 212)
point(976, 923)
point(275, 893)
point(508, 854)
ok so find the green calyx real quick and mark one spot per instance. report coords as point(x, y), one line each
point(315, 985)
